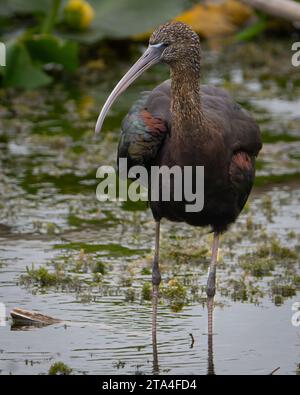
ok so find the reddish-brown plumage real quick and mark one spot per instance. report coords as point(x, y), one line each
point(242, 160)
point(154, 125)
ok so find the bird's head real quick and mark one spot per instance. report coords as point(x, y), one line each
point(173, 43)
point(178, 43)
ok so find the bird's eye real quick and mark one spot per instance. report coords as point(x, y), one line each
point(164, 45)
point(160, 45)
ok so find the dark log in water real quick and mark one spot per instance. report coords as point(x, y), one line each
point(25, 317)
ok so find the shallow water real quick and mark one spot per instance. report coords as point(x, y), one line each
point(50, 218)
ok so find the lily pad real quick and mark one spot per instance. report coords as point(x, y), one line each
point(10, 7)
point(21, 72)
point(49, 49)
point(127, 18)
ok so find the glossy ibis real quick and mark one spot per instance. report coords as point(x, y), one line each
point(183, 123)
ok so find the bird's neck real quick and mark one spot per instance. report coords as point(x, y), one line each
point(188, 119)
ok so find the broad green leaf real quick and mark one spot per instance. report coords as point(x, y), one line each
point(20, 71)
point(123, 18)
point(9, 7)
point(127, 18)
point(50, 49)
point(113, 18)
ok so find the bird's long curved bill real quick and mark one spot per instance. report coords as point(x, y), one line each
point(149, 58)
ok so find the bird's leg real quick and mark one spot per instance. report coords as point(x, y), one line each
point(156, 279)
point(210, 349)
point(211, 283)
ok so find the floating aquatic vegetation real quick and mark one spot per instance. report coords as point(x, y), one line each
point(99, 268)
point(175, 293)
point(44, 278)
point(59, 369)
point(130, 295)
point(147, 291)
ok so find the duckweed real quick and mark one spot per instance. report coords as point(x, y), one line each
point(110, 248)
point(239, 290)
point(43, 277)
point(59, 369)
point(145, 271)
point(296, 280)
point(99, 267)
point(259, 267)
point(286, 291)
point(263, 261)
point(147, 291)
point(281, 252)
point(278, 300)
point(130, 295)
point(175, 293)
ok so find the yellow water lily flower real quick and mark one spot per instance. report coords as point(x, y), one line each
point(78, 14)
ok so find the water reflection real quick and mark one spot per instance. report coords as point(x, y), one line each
point(26, 327)
point(210, 359)
point(155, 369)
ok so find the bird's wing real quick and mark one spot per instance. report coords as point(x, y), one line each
point(239, 129)
point(241, 136)
point(242, 175)
point(144, 128)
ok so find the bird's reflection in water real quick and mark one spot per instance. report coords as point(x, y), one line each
point(155, 369)
point(210, 358)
